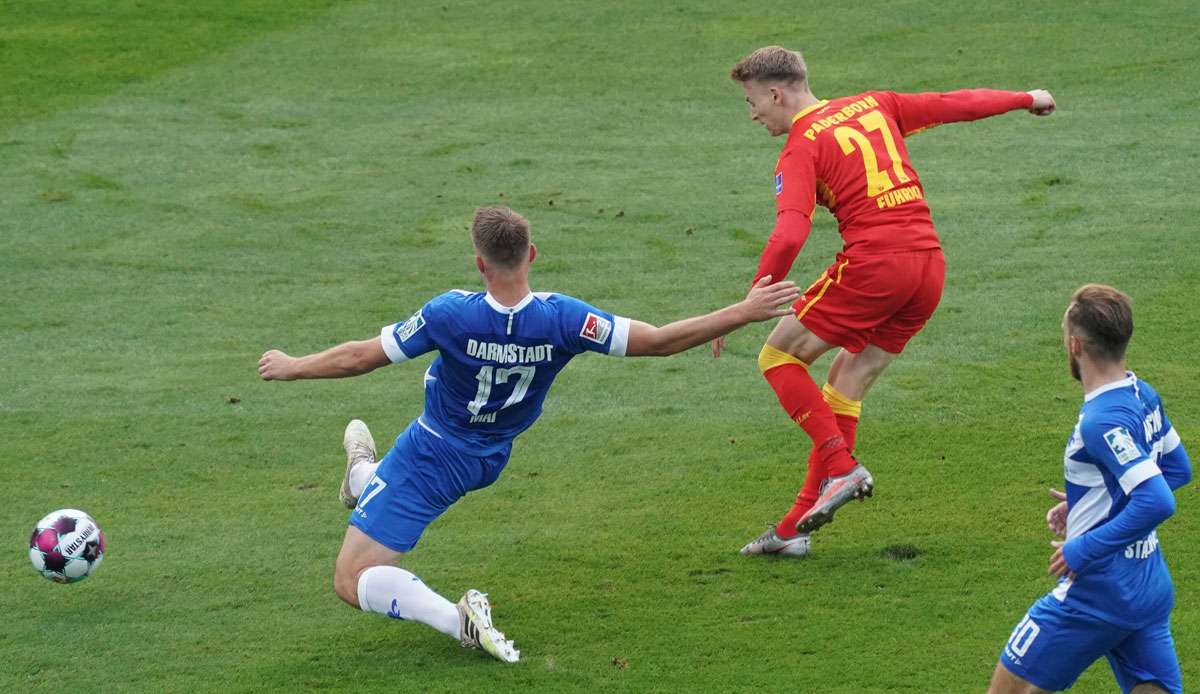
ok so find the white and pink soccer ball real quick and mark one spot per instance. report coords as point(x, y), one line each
point(66, 546)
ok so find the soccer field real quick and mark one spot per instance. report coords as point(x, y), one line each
point(185, 185)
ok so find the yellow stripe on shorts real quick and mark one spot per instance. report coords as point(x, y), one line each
point(828, 281)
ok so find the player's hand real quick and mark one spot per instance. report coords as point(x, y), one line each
point(763, 301)
point(718, 345)
point(1043, 102)
point(275, 366)
point(1058, 563)
point(1056, 517)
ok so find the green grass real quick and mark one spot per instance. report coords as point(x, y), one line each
point(185, 185)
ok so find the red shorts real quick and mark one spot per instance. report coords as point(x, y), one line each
point(880, 300)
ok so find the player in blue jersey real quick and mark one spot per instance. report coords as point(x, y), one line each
point(498, 353)
point(1122, 463)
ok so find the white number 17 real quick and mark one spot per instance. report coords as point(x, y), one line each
point(485, 377)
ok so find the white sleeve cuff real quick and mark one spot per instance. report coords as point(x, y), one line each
point(1171, 440)
point(387, 337)
point(620, 338)
point(1137, 474)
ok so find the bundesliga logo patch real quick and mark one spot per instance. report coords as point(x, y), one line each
point(779, 183)
point(1121, 444)
point(411, 326)
point(596, 328)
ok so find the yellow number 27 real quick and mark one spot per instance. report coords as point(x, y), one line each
point(878, 180)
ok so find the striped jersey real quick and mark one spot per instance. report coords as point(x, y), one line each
point(1118, 443)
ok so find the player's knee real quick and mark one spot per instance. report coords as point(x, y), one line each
point(345, 584)
point(1005, 682)
point(769, 357)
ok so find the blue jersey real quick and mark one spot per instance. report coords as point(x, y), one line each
point(495, 363)
point(1118, 443)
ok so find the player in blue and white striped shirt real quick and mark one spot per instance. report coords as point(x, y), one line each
point(1122, 463)
point(498, 354)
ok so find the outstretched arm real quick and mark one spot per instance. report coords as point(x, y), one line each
point(761, 303)
point(347, 359)
point(916, 112)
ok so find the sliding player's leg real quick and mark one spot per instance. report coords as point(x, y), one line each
point(364, 577)
point(412, 486)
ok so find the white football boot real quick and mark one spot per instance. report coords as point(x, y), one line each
point(835, 493)
point(770, 543)
point(360, 448)
point(476, 630)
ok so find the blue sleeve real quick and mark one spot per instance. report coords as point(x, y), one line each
point(1113, 438)
point(1150, 503)
point(1174, 463)
point(1176, 467)
point(586, 328)
point(410, 338)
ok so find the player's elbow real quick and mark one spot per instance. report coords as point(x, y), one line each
point(1162, 506)
point(791, 248)
point(1168, 507)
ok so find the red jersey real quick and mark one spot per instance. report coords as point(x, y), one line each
point(848, 155)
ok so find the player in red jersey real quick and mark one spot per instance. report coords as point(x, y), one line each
point(848, 155)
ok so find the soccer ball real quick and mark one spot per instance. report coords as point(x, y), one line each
point(66, 546)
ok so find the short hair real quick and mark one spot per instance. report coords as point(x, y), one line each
point(501, 236)
point(1104, 316)
point(771, 64)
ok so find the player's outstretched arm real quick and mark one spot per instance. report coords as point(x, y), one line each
point(347, 359)
point(916, 112)
point(763, 302)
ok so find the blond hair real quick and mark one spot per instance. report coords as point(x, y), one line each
point(501, 236)
point(771, 64)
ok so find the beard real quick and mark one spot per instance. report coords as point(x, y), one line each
point(1074, 364)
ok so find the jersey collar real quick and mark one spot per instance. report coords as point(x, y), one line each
point(810, 109)
point(1123, 383)
point(501, 308)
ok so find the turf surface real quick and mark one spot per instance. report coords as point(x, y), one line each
point(184, 185)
